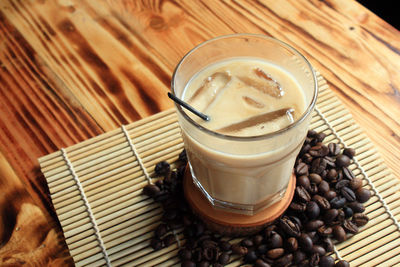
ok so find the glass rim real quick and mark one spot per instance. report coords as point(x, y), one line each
point(305, 114)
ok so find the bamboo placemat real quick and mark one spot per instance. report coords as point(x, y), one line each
point(96, 188)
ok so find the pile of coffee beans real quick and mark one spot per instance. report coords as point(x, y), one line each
point(327, 206)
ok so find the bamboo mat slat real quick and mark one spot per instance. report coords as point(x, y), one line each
point(96, 188)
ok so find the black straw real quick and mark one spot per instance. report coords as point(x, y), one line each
point(188, 107)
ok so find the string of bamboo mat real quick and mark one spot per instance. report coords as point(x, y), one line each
point(96, 188)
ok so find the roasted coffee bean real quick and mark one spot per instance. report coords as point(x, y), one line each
point(162, 168)
point(261, 263)
point(304, 181)
point(275, 240)
point(257, 239)
point(355, 184)
point(339, 233)
point(262, 249)
point(342, 161)
point(331, 175)
point(183, 156)
point(301, 169)
point(298, 207)
point(348, 194)
point(224, 258)
point(320, 136)
point(313, 189)
point(342, 263)
point(328, 244)
point(225, 245)
point(151, 190)
point(318, 249)
point(203, 264)
point(275, 253)
point(239, 250)
point(322, 202)
point(363, 195)
point(323, 187)
point(350, 227)
point(342, 183)
point(311, 134)
point(188, 263)
point(197, 254)
point(326, 261)
point(169, 240)
point(250, 257)
point(207, 243)
point(312, 210)
point(350, 152)
point(304, 149)
point(330, 195)
point(307, 158)
point(348, 174)
point(302, 194)
point(324, 231)
point(289, 227)
point(291, 244)
point(318, 165)
point(315, 178)
point(161, 230)
point(210, 254)
point(285, 260)
point(341, 216)
point(338, 202)
point(360, 219)
point(319, 151)
point(357, 207)
point(305, 242)
point(314, 225)
point(334, 149)
point(156, 244)
point(247, 243)
point(348, 212)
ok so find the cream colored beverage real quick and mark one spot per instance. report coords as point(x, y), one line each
point(259, 93)
point(243, 97)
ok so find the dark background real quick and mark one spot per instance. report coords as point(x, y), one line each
point(388, 10)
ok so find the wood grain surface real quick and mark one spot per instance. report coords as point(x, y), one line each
point(71, 69)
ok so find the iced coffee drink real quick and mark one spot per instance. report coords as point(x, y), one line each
point(243, 157)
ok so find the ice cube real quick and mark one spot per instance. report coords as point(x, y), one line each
point(264, 83)
point(256, 120)
point(209, 90)
point(252, 102)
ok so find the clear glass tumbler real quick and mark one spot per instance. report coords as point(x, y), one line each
point(243, 174)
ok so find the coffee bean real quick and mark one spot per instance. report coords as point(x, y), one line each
point(292, 244)
point(348, 194)
point(261, 263)
point(326, 261)
point(151, 190)
point(275, 253)
point(339, 233)
point(330, 195)
point(331, 175)
point(338, 202)
point(262, 249)
point(318, 165)
point(323, 187)
point(161, 230)
point(348, 174)
point(357, 207)
point(305, 242)
point(188, 263)
point(340, 184)
point(304, 181)
point(247, 243)
point(225, 245)
point(239, 250)
point(334, 149)
point(312, 210)
point(301, 169)
point(355, 184)
point(360, 219)
point(162, 168)
point(319, 151)
point(302, 194)
point(328, 244)
point(298, 207)
point(322, 202)
point(350, 152)
point(169, 240)
point(350, 227)
point(348, 212)
point(185, 254)
point(315, 178)
point(318, 249)
point(330, 215)
point(313, 189)
point(320, 136)
point(250, 257)
point(203, 264)
point(289, 227)
point(342, 161)
point(224, 258)
point(324, 231)
point(342, 263)
point(363, 195)
point(314, 236)
point(285, 260)
point(314, 259)
point(257, 239)
point(314, 225)
point(156, 244)
point(275, 240)
point(299, 256)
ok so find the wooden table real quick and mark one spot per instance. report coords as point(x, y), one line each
point(71, 70)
